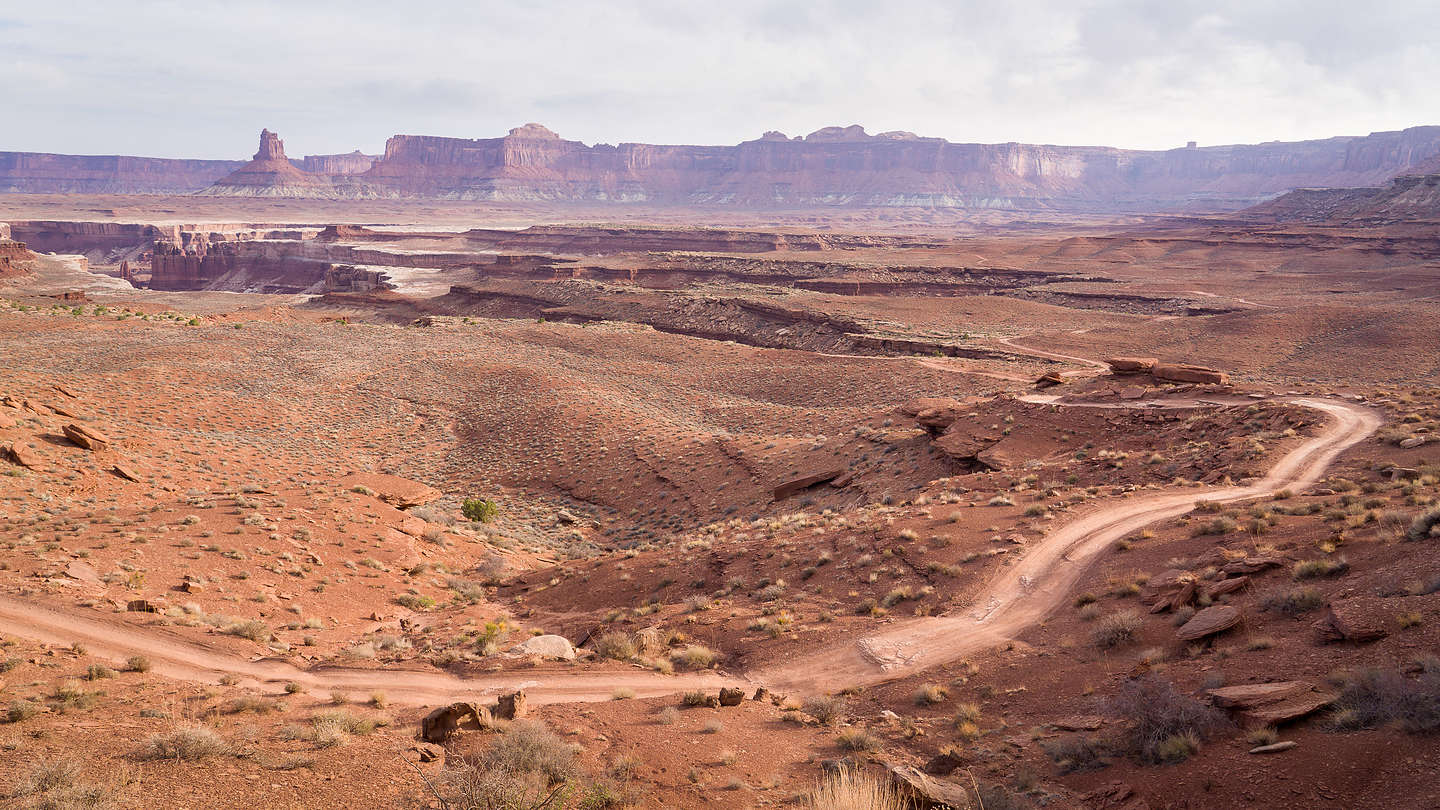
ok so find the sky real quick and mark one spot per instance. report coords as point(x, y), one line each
point(198, 78)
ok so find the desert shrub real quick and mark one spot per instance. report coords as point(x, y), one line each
point(54, 784)
point(1156, 714)
point(826, 708)
point(96, 672)
point(21, 710)
point(615, 644)
point(967, 713)
point(694, 656)
point(1116, 630)
point(857, 739)
point(187, 742)
point(1372, 697)
point(1177, 747)
point(1077, 752)
point(255, 630)
point(849, 790)
point(415, 601)
point(695, 697)
point(929, 694)
point(1424, 525)
point(480, 510)
point(249, 704)
point(1292, 601)
point(1218, 526)
point(528, 747)
point(137, 663)
point(1310, 569)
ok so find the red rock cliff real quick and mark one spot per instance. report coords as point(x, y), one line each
point(845, 166)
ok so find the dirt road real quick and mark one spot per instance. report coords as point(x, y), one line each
point(1020, 596)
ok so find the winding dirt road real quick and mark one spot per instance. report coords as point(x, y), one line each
point(1020, 596)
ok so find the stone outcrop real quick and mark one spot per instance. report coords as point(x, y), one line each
point(401, 493)
point(546, 646)
point(86, 437)
point(918, 789)
point(438, 725)
point(271, 174)
point(804, 482)
point(1270, 704)
point(14, 258)
point(1132, 365)
point(1358, 620)
point(1180, 372)
point(1208, 622)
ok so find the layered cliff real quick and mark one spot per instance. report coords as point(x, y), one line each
point(845, 166)
point(835, 166)
point(40, 173)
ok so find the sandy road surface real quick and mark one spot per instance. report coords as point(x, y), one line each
point(1018, 597)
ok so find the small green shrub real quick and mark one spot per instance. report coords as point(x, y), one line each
point(480, 510)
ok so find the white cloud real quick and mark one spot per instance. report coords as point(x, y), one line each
point(199, 78)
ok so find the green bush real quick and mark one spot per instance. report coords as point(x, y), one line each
point(481, 510)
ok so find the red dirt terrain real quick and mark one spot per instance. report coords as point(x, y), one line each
point(422, 504)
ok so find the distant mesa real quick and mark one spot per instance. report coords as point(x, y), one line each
point(836, 166)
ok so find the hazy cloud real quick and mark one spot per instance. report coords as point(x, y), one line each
point(200, 77)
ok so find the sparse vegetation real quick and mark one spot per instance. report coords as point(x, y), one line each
point(186, 742)
point(850, 790)
point(1162, 725)
point(1116, 630)
point(1292, 601)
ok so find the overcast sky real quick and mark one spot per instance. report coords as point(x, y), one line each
point(196, 78)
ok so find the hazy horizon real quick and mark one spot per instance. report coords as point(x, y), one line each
point(200, 79)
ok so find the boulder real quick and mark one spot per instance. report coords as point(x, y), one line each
point(1132, 365)
point(438, 725)
point(1079, 722)
point(732, 697)
point(1358, 620)
point(1051, 379)
point(511, 706)
point(547, 646)
point(1412, 442)
point(1180, 372)
point(401, 493)
point(22, 455)
point(1252, 565)
point(1208, 622)
point(125, 472)
point(761, 693)
point(1274, 748)
point(804, 482)
point(141, 606)
point(1250, 695)
point(1227, 586)
point(86, 437)
point(916, 789)
point(1134, 392)
point(1270, 704)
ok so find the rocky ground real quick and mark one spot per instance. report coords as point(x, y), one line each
point(261, 540)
